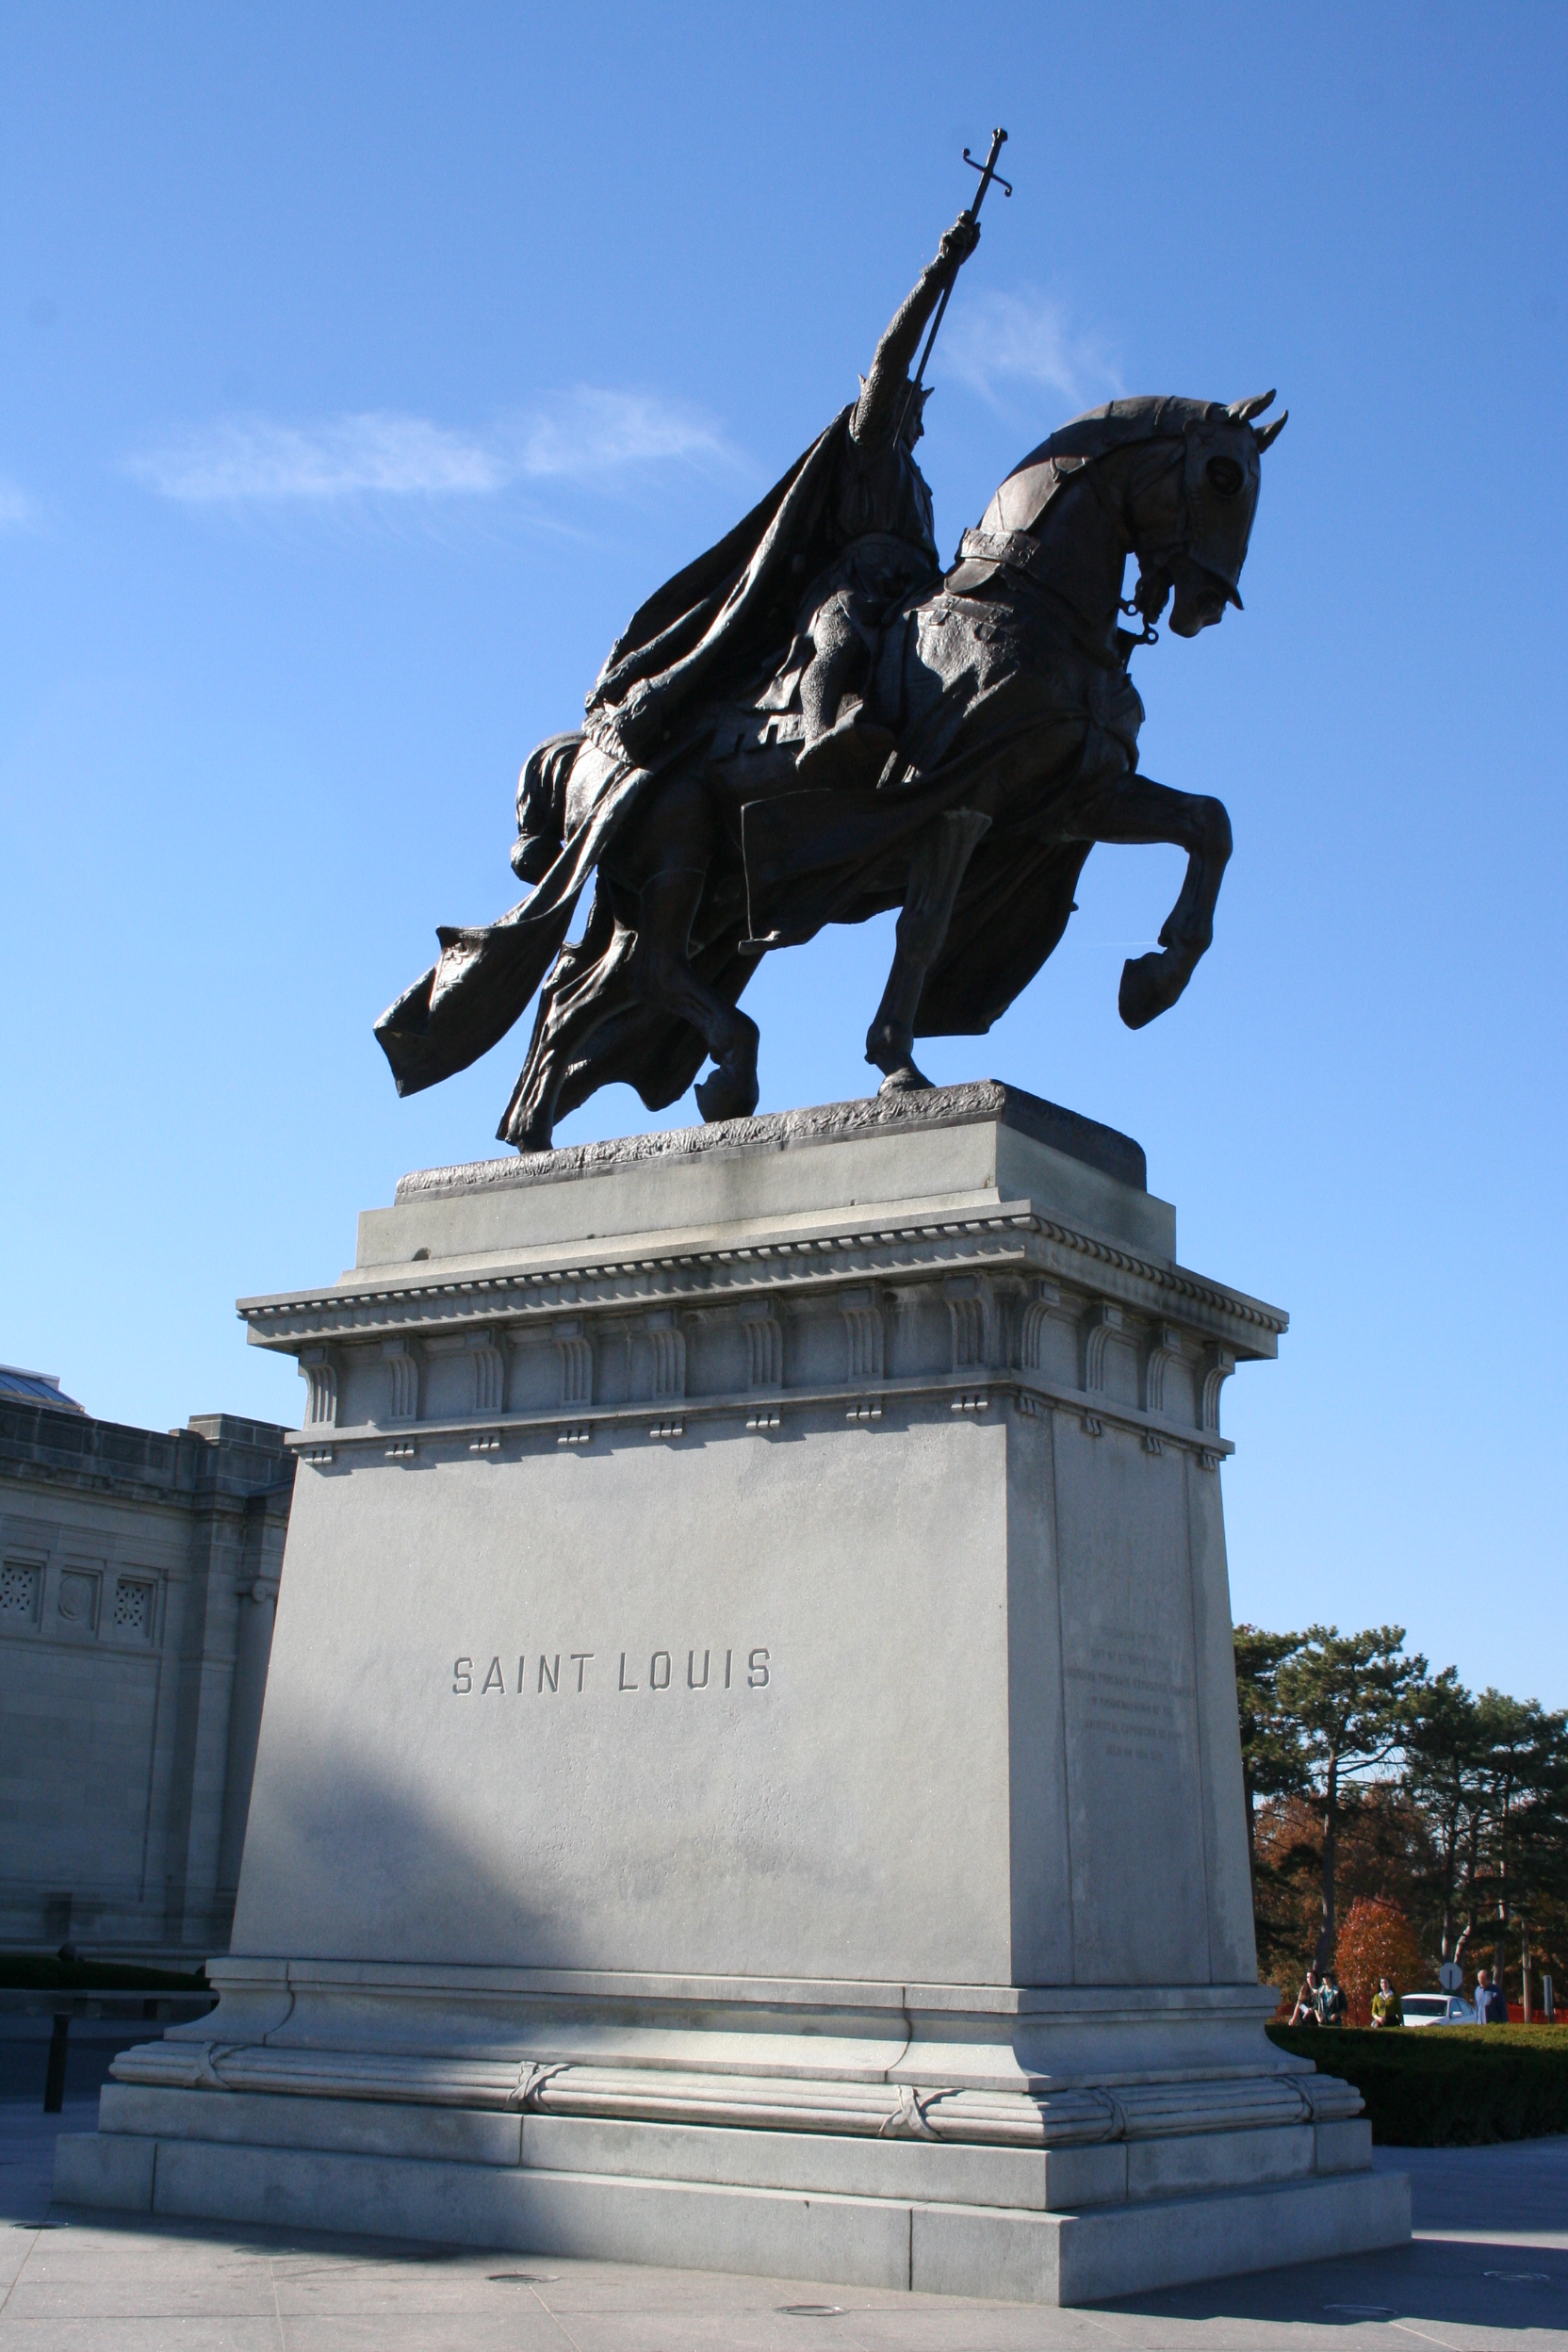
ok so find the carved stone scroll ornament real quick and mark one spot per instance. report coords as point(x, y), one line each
point(1166, 1348)
point(764, 1348)
point(1218, 1364)
point(863, 1320)
point(1102, 1324)
point(576, 1352)
point(489, 1368)
point(668, 1344)
point(401, 1359)
point(1045, 1301)
point(970, 1319)
point(320, 1374)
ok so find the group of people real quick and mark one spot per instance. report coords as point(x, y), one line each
point(1321, 2002)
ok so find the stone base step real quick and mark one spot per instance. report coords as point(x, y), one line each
point(1014, 2253)
point(1061, 2179)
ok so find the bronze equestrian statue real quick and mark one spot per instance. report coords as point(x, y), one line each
point(813, 722)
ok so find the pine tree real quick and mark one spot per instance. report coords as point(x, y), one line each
point(1524, 1765)
point(1272, 1759)
point(1445, 1771)
point(1348, 1697)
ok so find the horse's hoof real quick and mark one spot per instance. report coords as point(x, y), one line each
point(907, 1080)
point(1150, 985)
point(533, 1135)
point(727, 1094)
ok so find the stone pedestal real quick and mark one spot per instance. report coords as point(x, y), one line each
point(749, 1776)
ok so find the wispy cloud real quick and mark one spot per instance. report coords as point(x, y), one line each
point(250, 457)
point(16, 507)
point(1024, 340)
point(582, 432)
point(380, 454)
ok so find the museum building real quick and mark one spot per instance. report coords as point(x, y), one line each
point(138, 1575)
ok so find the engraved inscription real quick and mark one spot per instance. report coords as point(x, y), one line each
point(540, 1672)
point(1130, 1700)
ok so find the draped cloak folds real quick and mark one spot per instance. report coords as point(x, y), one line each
point(720, 621)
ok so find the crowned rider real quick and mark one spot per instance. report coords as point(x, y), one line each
point(878, 519)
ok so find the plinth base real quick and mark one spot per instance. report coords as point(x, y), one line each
point(1040, 2144)
point(750, 1774)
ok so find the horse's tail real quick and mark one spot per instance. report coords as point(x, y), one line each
point(542, 806)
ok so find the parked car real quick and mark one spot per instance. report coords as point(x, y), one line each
point(1437, 2009)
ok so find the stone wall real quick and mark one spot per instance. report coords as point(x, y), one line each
point(138, 1573)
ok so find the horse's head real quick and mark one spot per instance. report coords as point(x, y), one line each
point(1189, 511)
point(1182, 490)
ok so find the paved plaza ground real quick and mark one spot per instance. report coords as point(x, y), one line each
point(1489, 2267)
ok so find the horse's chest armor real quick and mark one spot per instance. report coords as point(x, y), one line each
point(989, 647)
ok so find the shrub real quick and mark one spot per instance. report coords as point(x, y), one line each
point(1446, 2086)
point(41, 1971)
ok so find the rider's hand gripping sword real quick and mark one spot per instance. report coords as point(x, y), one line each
point(987, 172)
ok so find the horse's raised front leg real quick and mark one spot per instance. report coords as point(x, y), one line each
point(1137, 809)
point(936, 867)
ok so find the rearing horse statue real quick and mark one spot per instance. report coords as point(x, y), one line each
point(813, 725)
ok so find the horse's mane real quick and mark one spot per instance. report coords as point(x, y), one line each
point(1146, 418)
point(1023, 497)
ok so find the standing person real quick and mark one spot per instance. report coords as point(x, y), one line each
point(1491, 2007)
point(1386, 2006)
point(1305, 2011)
point(1332, 2008)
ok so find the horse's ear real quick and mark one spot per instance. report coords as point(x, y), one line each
point(1242, 411)
point(1264, 435)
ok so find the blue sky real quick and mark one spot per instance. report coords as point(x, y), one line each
point(365, 367)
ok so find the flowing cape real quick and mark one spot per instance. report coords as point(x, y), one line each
point(725, 616)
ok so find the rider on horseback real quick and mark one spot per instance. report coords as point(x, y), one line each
point(878, 511)
point(679, 801)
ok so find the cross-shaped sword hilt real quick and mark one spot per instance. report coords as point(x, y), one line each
point(988, 172)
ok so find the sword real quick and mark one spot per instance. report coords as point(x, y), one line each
point(989, 172)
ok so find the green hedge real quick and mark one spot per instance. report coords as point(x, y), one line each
point(41, 1972)
point(1449, 2086)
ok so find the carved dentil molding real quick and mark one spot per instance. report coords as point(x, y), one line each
point(1019, 1241)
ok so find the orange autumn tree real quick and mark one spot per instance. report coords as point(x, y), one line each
point(1377, 1940)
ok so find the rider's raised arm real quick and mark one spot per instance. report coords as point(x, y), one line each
point(881, 402)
